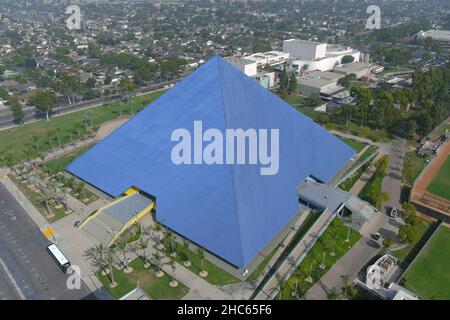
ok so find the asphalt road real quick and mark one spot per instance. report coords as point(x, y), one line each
point(393, 179)
point(6, 118)
point(26, 269)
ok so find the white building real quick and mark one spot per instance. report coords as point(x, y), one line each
point(316, 55)
point(271, 58)
point(440, 36)
point(247, 66)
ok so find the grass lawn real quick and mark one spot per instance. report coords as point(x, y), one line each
point(294, 100)
point(412, 167)
point(15, 140)
point(156, 288)
point(357, 83)
point(356, 145)
point(440, 185)
point(422, 227)
point(338, 231)
point(429, 277)
point(373, 188)
point(309, 112)
point(255, 274)
point(57, 165)
point(350, 181)
point(368, 153)
point(216, 275)
point(337, 121)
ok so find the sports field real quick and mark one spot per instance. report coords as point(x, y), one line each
point(440, 185)
point(429, 277)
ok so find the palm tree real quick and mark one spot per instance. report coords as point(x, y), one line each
point(169, 235)
point(2, 157)
point(333, 294)
point(35, 140)
point(146, 231)
point(172, 263)
point(187, 262)
point(157, 230)
point(143, 245)
point(348, 288)
point(43, 201)
point(110, 260)
point(29, 150)
point(157, 260)
point(201, 255)
point(298, 274)
point(97, 255)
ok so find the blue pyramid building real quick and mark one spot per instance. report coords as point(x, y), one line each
point(231, 210)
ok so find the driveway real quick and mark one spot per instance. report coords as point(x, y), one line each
point(392, 182)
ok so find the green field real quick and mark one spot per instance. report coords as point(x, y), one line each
point(356, 145)
point(440, 185)
point(216, 275)
point(156, 288)
point(22, 142)
point(429, 277)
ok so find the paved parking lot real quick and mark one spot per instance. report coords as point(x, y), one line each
point(26, 269)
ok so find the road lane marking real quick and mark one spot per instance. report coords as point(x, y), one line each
point(13, 281)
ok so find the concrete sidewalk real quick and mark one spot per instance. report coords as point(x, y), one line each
point(34, 214)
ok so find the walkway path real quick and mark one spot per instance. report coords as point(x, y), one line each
point(302, 248)
point(34, 214)
point(357, 138)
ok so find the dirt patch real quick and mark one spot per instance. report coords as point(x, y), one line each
point(108, 127)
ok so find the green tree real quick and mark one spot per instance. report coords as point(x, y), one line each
point(201, 255)
point(45, 101)
point(347, 59)
point(292, 85)
point(364, 97)
point(408, 233)
point(16, 110)
point(284, 79)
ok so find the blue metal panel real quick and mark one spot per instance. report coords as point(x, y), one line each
point(231, 210)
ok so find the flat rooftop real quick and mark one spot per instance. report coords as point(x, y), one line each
point(354, 67)
point(441, 35)
point(127, 209)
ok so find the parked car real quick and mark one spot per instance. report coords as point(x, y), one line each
point(376, 236)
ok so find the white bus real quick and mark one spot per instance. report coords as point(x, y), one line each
point(59, 257)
